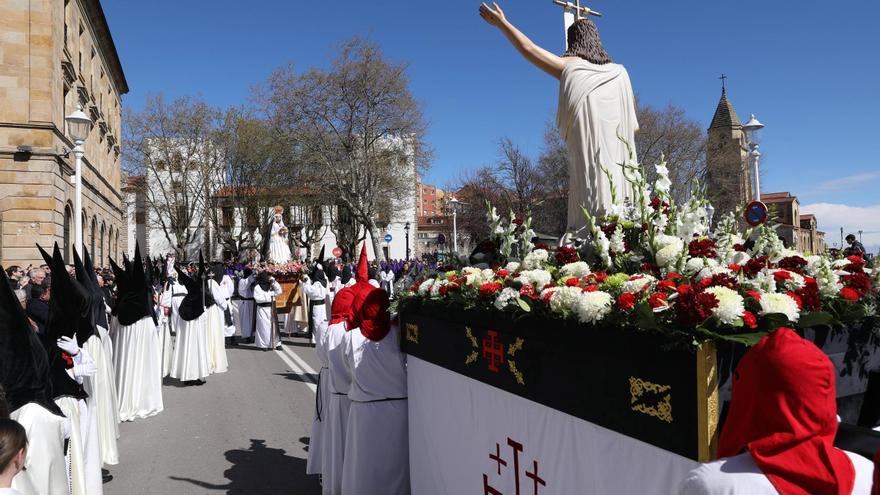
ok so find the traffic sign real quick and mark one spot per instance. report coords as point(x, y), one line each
point(756, 213)
point(337, 252)
point(388, 237)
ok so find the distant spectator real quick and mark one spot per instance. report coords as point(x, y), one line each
point(38, 306)
point(855, 247)
point(13, 448)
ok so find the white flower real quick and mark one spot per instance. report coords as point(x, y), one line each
point(425, 286)
point(564, 299)
point(577, 269)
point(538, 278)
point(505, 297)
point(512, 266)
point(592, 307)
point(671, 249)
point(774, 302)
point(694, 266)
point(662, 184)
point(794, 283)
point(535, 259)
point(435, 289)
point(477, 277)
point(637, 283)
point(711, 270)
point(617, 244)
point(731, 305)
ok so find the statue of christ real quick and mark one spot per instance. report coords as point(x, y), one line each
point(596, 105)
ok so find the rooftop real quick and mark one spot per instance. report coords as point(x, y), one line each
point(725, 115)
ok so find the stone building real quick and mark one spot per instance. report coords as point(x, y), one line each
point(431, 200)
point(795, 230)
point(54, 55)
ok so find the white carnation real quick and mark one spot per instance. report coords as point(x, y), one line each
point(638, 283)
point(535, 259)
point(435, 288)
point(671, 249)
point(577, 269)
point(512, 266)
point(712, 270)
point(592, 307)
point(425, 286)
point(538, 278)
point(774, 302)
point(505, 297)
point(564, 300)
point(731, 305)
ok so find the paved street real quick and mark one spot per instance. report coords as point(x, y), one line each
point(244, 432)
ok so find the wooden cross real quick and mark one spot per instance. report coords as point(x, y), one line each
point(579, 12)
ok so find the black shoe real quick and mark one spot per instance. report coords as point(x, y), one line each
point(199, 383)
point(106, 478)
point(278, 348)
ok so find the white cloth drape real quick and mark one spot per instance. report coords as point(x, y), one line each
point(46, 472)
point(596, 104)
point(138, 377)
point(216, 343)
point(336, 415)
point(190, 360)
point(102, 391)
point(318, 437)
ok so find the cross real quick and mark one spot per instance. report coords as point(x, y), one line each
point(493, 350)
point(517, 448)
point(579, 12)
point(497, 458)
point(723, 79)
point(534, 476)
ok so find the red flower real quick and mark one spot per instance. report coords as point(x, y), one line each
point(755, 265)
point(548, 295)
point(541, 245)
point(750, 319)
point(672, 276)
point(599, 277)
point(849, 294)
point(68, 359)
point(666, 285)
point(590, 288)
point(719, 280)
point(451, 277)
point(490, 288)
point(572, 282)
point(649, 267)
point(793, 263)
point(809, 294)
point(692, 307)
point(502, 273)
point(518, 221)
point(565, 255)
point(781, 275)
point(797, 299)
point(754, 294)
point(858, 282)
point(444, 289)
point(734, 267)
point(609, 229)
point(739, 248)
point(528, 291)
point(702, 248)
point(856, 260)
point(626, 301)
point(657, 300)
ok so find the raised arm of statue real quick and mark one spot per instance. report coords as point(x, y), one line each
point(544, 60)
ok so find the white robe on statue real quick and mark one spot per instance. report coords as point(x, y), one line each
point(136, 361)
point(246, 307)
point(740, 475)
point(318, 436)
point(377, 437)
point(46, 472)
point(279, 249)
point(102, 398)
point(216, 343)
point(264, 328)
point(336, 340)
point(595, 104)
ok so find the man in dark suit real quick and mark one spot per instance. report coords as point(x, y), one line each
point(38, 306)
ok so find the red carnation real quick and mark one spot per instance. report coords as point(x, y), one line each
point(548, 295)
point(444, 289)
point(797, 299)
point(518, 221)
point(502, 273)
point(572, 282)
point(565, 255)
point(657, 300)
point(739, 248)
point(590, 288)
point(692, 307)
point(781, 276)
point(750, 319)
point(666, 285)
point(672, 276)
point(809, 294)
point(793, 263)
point(490, 288)
point(541, 245)
point(626, 301)
point(734, 267)
point(754, 294)
point(649, 267)
point(755, 265)
point(719, 280)
point(859, 282)
point(599, 277)
point(849, 294)
point(528, 291)
point(702, 248)
point(68, 359)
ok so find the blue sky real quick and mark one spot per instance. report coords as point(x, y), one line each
point(808, 70)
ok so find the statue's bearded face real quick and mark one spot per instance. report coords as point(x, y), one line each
point(277, 218)
point(584, 42)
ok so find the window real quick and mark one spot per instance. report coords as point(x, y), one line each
point(226, 217)
point(68, 217)
point(93, 231)
point(100, 259)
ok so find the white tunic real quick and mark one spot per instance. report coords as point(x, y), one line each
point(83, 453)
point(263, 338)
point(227, 290)
point(136, 361)
point(739, 475)
point(246, 307)
point(46, 472)
point(386, 281)
point(102, 393)
point(279, 250)
point(377, 439)
point(190, 360)
point(216, 344)
point(166, 302)
point(318, 438)
point(596, 104)
point(336, 416)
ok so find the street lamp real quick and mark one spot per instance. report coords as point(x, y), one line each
point(78, 125)
point(751, 128)
point(406, 228)
point(454, 205)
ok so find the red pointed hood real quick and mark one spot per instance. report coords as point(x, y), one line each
point(343, 307)
point(363, 270)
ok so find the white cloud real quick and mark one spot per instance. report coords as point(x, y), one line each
point(833, 216)
point(842, 184)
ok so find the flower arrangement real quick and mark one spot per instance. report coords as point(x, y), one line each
point(655, 265)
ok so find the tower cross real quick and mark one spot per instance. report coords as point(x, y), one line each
point(579, 11)
point(723, 82)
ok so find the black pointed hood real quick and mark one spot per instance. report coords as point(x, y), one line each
point(24, 364)
point(86, 327)
point(132, 296)
point(69, 307)
point(331, 270)
point(218, 271)
point(204, 276)
point(317, 273)
point(191, 307)
point(146, 269)
point(120, 278)
point(346, 274)
point(99, 309)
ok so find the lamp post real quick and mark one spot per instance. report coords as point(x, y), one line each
point(454, 204)
point(751, 128)
point(406, 228)
point(78, 125)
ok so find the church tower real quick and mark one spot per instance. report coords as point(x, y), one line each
point(728, 178)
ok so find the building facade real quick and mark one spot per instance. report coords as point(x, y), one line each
point(55, 55)
point(728, 177)
point(431, 201)
point(796, 230)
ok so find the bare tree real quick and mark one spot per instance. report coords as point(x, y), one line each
point(174, 146)
point(358, 129)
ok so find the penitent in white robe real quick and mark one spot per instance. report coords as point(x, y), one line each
point(264, 328)
point(740, 474)
point(377, 437)
point(337, 405)
point(136, 361)
point(246, 307)
point(596, 104)
point(102, 398)
point(223, 296)
point(46, 472)
point(216, 344)
point(318, 436)
point(83, 452)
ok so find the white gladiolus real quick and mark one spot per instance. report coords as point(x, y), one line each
point(535, 259)
point(577, 269)
point(506, 297)
point(731, 305)
point(774, 302)
point(617, 244)
point(662, 184)
point(592, 307)
point(538, 278)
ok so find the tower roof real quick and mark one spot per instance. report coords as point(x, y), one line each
point(725, 115)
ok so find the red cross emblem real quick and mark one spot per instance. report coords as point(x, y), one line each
point(516, 450)
point(493, 350)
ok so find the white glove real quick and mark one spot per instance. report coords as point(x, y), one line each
point(69, 345)
point(85, 369)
